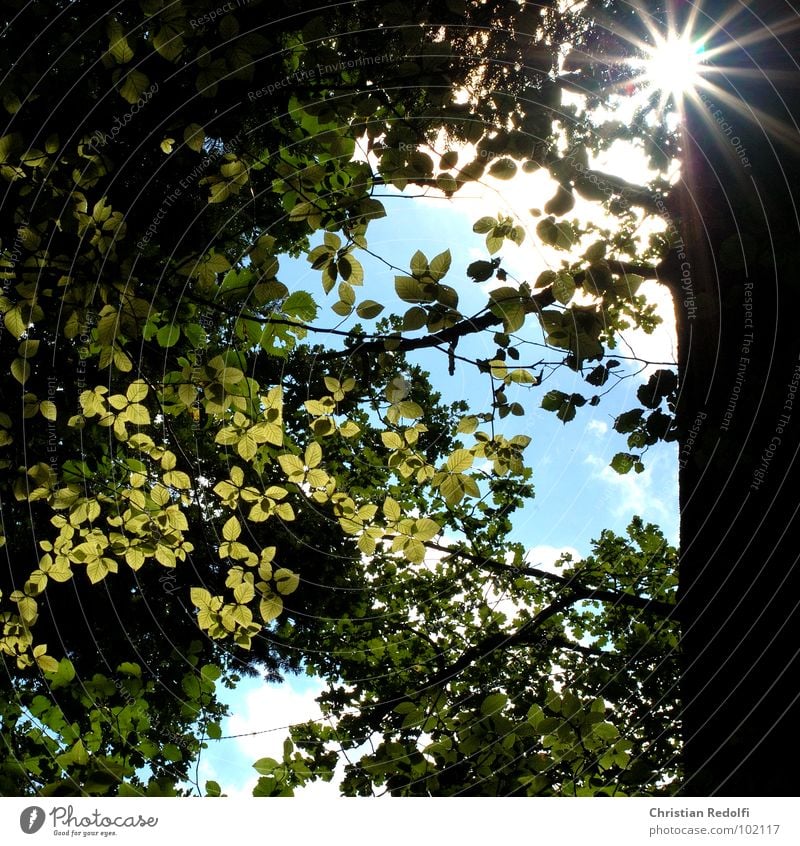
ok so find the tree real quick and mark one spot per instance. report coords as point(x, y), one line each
point(739, 569)
point(182, 424)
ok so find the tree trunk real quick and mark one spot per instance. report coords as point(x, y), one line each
point(739, 412)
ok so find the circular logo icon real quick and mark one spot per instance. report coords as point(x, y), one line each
point(31, 819)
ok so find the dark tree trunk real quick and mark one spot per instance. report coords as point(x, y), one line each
point(739, 412)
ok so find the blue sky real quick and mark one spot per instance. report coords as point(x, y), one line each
point(577, 493)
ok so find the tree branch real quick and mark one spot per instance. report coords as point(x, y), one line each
point(577, 590)
point(499, 640)
point(473, 325)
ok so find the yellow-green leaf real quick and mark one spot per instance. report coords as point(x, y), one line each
point(286, 581)
point(194, 135)
point(20, 370)
point(48, 410)
point(134, 86)
point(270, 607)
point(232, 529)
point(460, 461)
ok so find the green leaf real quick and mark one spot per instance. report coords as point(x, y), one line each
point(63, 675)
point(411, 290)
point(480, 271)
point(369, 309)
point(563, 287)
point(419, 263)
point(264, 766)
point(493, 703)
point(300, 304)
point(623, 462)
point(414, 318)
point(440, 264)
point(171, 752)
point(449, 160)
point(484, 225)
point(168, 336)
point(553, 400)
point(503, 168)
point(130, 669)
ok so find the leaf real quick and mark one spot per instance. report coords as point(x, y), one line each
point(342, 309)
point(504, 168)
point(171, 752)
point(411, 290)
point(243, 593)
point(563, 287)
point(97, 570)
point(453, 490)
point(480, 271)
point(313, 454)
point(286, 581)
point(391, 508)
point(425, 529)
point(493, 703)
point(14, 323)
point(449, 160)
point(29, 348)
point(63, 675)
point(467, 425)
point(20, 370)
point(47, 663)
point(484, 225)
point(300, 304)
point(232, 529)
point(292, 466)
point(391, 440)
point(270, 607)
point(512, 313)
point(119, 49)
point(135, 85)
point(48, 410)
point(440, 264)
point(545, 278)
point(130, 669)
point(136, 391)
point(194, 135)
point(369, 309)
point(264, 766)
point(623, 462)
point(409, 409)
point(460, 461)
point(177, 479)
point(414, 318)
point(168, 336)
point(553, 400)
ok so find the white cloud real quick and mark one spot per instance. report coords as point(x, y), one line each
point(262, 715)
point(597, 427)
point(650, 494)
point(544, 556)
point(661, 345)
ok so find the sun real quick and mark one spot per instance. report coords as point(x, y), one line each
point(672, 65)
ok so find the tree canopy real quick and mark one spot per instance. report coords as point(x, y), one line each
point(211, 469)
